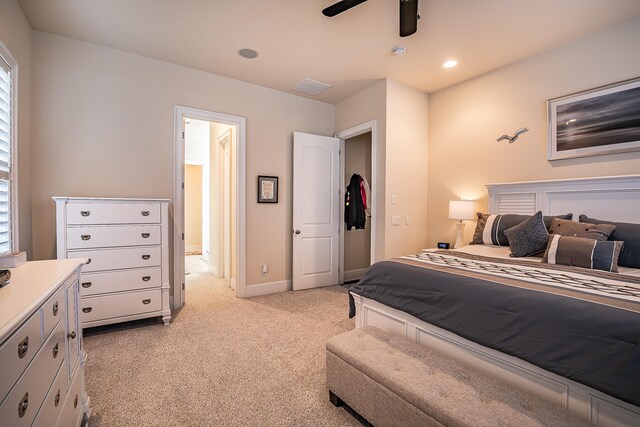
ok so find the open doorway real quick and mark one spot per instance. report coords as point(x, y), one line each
point(209, 198)
point(358, 147)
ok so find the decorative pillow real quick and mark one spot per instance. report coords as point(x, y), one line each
point(629, 233)
point(529, 237)
point(490, 228)
point(581, 252)
point(581, 229)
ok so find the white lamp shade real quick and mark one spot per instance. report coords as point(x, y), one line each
point(462, 209)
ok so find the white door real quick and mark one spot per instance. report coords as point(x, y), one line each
point(316, 194)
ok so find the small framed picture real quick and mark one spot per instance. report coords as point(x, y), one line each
point(267, 189)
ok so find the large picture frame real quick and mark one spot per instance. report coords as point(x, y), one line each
point(267, 189)
point(603, 120)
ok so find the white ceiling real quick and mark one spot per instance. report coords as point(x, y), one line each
point(350, 51)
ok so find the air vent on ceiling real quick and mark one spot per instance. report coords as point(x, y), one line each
point(311, 87)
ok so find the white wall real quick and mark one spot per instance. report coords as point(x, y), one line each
point(15, 33)
point(103, 126)
point(466, 119)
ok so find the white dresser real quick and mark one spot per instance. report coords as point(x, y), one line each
point(126, 242)
point(41, 354)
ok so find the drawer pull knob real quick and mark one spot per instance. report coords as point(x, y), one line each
point(146, 301)
point(72, 335)
point(55, 351)
point(146, 257)
point(89, 261)
point(23, 405)
point(86, 284)
point(85, 236)
point(75, 402)
point(87, 309)
point(145, 235)
point(146, 278)
point(85, 213)
point(56, 400)
point(145, 213)
point(23, 347)
point(55, 309)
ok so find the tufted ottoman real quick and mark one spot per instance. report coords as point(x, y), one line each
point(391, 381)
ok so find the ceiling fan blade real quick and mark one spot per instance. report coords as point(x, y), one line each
point(408, 17)
point(340, 7)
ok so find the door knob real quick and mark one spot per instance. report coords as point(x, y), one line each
point(297, 231)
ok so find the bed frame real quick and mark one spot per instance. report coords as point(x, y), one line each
point(611, 198)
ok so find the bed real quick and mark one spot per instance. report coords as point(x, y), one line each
point(505, 316)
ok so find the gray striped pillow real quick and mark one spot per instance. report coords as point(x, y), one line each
point(583, 252)
point(490, 228)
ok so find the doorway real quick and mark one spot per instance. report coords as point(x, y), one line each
point(359, 145)
point(209, 208)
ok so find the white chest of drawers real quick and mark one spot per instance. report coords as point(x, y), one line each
point(41, 354)
point(127, 244)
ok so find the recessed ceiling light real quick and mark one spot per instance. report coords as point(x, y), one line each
point(450, 63)
point(248, 53)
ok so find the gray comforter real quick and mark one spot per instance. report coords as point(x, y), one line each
point(586, 328)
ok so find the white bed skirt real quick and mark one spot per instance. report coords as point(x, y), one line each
point(595, 406)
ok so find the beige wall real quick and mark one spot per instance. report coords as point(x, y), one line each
point(466, 119)
point(357, 243)
point(370, 104)
point(401, 113)
point(15, 33)
point(103, 126)
point(406, 168)
point(193, 207)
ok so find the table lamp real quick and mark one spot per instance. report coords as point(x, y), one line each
point(461, 210)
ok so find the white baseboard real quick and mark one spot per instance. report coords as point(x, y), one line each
point(193, 248)
point(213, 270)
point(232, 283)
point(354, 274)
point(267, 288)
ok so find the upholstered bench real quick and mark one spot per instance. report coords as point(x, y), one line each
point(391, 381)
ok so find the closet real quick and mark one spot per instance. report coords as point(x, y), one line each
point(357, 241)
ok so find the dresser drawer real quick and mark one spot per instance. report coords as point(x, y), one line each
point(115, 235)
point(23, 402)
point(18, 351)
point(115, 259)
point(73, 406)
point(53, 311)
point(113, 213)
point(53, 402)
point(119, 281)
point(117, 305)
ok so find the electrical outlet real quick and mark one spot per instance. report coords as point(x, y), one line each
point(264, 270)
point(395, 220)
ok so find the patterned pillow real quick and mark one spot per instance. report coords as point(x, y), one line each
point(581, 252)
point(629, 233)
point(529, 237)
point(490, 228)
point(581, 229)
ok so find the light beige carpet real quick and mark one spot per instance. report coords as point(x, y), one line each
point(223, 361)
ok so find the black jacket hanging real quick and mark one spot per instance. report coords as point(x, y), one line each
point(354, 208)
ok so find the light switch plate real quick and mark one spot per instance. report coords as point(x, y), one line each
point(395, 220)
point(393, 199)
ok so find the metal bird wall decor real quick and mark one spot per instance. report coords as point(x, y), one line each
point(513, 138)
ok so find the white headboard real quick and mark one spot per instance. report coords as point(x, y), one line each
point(615, 198)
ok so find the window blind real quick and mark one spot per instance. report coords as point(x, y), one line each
point(5, 156)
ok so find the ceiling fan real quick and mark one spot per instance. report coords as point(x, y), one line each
point(408, 13)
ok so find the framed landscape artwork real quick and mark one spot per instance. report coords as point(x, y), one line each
point(604, 120)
